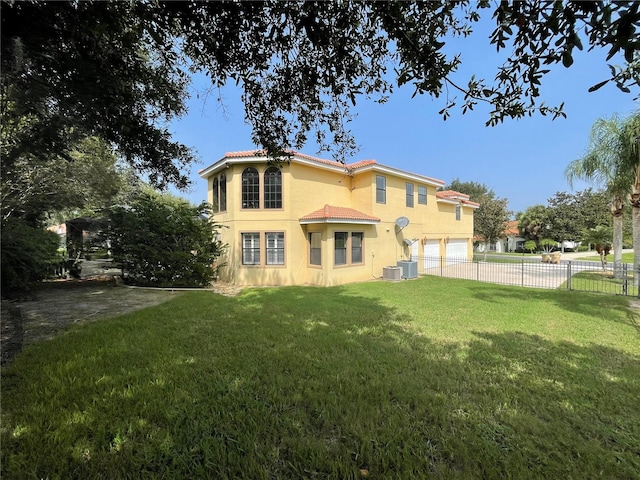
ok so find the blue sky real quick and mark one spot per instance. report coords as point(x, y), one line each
point(520, 160)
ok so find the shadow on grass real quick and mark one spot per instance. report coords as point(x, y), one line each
point(314, 383)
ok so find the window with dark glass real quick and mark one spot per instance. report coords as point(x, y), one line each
point(422, 195)
point(381, 189)
point(273, 188)
point(223, 193)
point(356, 247)
point(216, 203)
point(409, 190)
point(251, 249)
point(458, 212)
point(275, 248)
point(315, 248)
point(340, 248)
point(250, 188)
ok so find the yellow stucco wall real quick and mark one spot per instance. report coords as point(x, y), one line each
point(308, 188)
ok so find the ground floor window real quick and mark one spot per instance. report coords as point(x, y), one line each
point(315, 248)
point(252, 246)
point(275, 248)
point(348, 248)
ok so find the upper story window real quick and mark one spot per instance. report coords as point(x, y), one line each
point(272, 188)
point(422, 195)
point(219, 187)
point(223, 193)
point(409, 190)
point(458, 212)
point(216, 195)
point(250, 188)
point(381, 189)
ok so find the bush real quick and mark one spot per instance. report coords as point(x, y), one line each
point(28, 255)
point(163, 241)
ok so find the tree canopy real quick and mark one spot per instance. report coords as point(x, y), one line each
point(120, 70)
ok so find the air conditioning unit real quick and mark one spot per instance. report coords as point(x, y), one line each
point(393, 274)
point(409, 268)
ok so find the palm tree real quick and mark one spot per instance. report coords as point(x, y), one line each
point(630, 153)
point(600, 237)
point(605, 164)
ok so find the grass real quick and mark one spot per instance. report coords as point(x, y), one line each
point(429, 378)
point(626, 258)
point(601, 282)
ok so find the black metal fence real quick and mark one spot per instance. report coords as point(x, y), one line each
point(531, 272)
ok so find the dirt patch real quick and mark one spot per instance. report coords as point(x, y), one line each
point(54, 306)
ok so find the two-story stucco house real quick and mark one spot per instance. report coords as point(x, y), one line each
point(306, 220)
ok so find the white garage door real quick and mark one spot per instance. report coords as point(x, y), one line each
point(431, 253)
point(456, 251)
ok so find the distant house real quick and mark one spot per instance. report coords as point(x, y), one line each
point(511, 241)
point(306, 220)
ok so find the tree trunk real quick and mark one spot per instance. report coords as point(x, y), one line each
point(635, 216)
point(617, 208)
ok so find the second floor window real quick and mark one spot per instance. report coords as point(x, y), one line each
point(381, 189)
point(458, 212)
point(223, 193)
point(250, 188)
point(422, 195)
point(216, 195)
point(409, 189)
point(272, 188)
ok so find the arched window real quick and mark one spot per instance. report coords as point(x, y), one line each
point(215, 195)
point(272, 188)
point(223, 193)
point(250, 188)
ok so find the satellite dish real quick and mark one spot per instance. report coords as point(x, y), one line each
point(402, 222)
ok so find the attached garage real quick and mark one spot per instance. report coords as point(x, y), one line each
point(456, 251)
point(431, 254)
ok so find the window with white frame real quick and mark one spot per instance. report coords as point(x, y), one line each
point(274, 248)
point(251, 248)
point(458, 212)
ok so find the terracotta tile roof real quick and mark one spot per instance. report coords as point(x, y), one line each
point(511, 228)
point(331, 214)
point(453, 195)
point(258, 153)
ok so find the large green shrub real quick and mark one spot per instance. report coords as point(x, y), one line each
point(29, 254)
point(163, 241)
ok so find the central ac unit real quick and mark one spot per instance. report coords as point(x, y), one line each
point(392, 273)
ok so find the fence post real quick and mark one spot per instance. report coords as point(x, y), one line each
point(569, 275)
point(625, 280)
point(522, 273)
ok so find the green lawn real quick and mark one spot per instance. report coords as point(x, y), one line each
point(429, 378)
point(626, 257)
